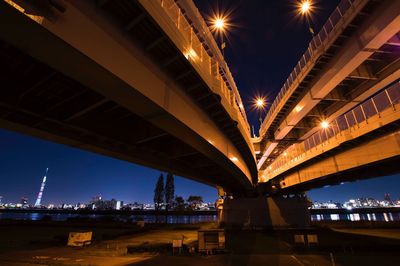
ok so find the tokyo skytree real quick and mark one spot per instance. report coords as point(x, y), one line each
point(39, 197)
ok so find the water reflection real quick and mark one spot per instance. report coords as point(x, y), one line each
point(335, 217)
point(172, 219)
point(380, 217)
point(34, 216)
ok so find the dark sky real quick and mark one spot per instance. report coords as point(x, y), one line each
point(264, 44)
point(265, 41)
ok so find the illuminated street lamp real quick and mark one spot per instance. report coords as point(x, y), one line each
point(324, 124)
point(219, 25)
point(305, 7)
point(260, 103)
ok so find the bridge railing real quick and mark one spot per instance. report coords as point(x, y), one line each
point(208, 62)
point(319, 43)
point(373, 106)
point(345, 123)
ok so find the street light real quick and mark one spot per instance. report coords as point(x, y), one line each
point(260, 103)
point(219, 25)
point(305, 7)
point(324, 124)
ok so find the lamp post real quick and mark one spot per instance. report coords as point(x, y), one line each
point(305, 8)
point(260, 104)
point(219, 25)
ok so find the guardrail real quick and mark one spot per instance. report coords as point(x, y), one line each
point(349, 122)
point(209, 63)
point(340, 17)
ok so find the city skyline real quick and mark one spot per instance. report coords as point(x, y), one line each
point(129, 183)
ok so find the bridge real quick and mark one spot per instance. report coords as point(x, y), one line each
point(336, 117)
point(145, 81)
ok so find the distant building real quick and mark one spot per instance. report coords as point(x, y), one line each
point(148, 206)
point(96, 198)
point(387, 198)
point(98, 204)
point(118, 205)
point(24, 201)
point(134, 206)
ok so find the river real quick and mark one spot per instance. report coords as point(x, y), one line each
point(148, 218)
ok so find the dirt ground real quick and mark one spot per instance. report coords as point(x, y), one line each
point(153, 247)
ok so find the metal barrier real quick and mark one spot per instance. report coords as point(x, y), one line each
point(212, 66)
point(317, 46)
point(373, 106)
point(350, 121)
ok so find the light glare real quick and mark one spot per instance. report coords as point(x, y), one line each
point(305, 7)
point(191, 54)
point(260, 103)
point(219, 23)
point(324, 124)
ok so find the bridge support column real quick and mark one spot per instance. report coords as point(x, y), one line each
point(265, 212)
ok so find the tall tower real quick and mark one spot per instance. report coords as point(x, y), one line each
point(39, 197)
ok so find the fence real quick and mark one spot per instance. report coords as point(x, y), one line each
point(212, 68)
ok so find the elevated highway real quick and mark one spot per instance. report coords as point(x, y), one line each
point(135, 80)
point(354, 57)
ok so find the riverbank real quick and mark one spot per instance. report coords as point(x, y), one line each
point(152, 246)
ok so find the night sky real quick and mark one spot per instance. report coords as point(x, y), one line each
point(265, 41)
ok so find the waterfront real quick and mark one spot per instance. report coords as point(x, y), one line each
point(35, 243)
point(148, 218)
point(375, 217)
point(378, 215)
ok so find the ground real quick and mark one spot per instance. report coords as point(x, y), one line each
point(153, 247)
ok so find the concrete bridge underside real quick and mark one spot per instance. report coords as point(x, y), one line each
point(360, 59)
point(359, 159)
point(87, 82)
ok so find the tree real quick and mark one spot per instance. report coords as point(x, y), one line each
point(194, 201)
point(169, 192)
point(179, 204)
point(159, 193)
